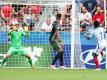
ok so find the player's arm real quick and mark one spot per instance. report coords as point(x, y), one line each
point(10, 31)
point(26, 30)
point(87, 36)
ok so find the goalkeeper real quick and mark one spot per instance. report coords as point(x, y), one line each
point(16, 44)
point(56, 42)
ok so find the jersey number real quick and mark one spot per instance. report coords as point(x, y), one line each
point(101, 35)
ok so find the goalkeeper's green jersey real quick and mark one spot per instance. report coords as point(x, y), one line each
point(16, 38)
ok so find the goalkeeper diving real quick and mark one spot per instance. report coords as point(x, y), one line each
point(16, 42)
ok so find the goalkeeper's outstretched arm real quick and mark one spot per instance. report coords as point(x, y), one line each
point(26, 30)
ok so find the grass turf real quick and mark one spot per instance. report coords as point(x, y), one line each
point(48, 74)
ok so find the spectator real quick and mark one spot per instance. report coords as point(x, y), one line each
point(67, 24)
point(0, 19)
point(68, 10)
point(101, 4)
point(24, 9)
point(6, 12)
point(66, 14)
point(17, 8)
point(23, 1)
point(36, 10)
point(85, 18)
point(99, 16)
point(90, 5)
point(29, 18)
point(13, 18)
point(55, 12)
point(47, 26)
point(4, 27)
point(62, 9)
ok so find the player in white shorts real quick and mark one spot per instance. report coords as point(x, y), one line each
point(99, 34)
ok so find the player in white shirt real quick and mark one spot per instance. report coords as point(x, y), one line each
point(99, 34)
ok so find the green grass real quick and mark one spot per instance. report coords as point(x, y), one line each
point(48, 74)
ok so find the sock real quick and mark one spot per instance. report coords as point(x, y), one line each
point(30, 61)
point(61, 59)
point(56, 58)
point(96, 61)
point(4, 60)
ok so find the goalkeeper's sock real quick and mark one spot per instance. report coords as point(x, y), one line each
point(56, 58)
point(4, 60)
point(96, 61)
point(30, 61)
point(61, 59)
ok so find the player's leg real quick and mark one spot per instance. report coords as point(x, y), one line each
point(102, 48)
point(10, 52)
point(59, 54)
point(96, 62)
point(61, 57)
point(5, 59)
point(22, 51)
point(55, 47)
point(98, 51)
point(29, 59)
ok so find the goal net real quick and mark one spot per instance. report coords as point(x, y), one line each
point(37, 14)
point(37, 45)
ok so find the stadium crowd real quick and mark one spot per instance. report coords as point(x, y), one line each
point(91, 10)
point(30, 14)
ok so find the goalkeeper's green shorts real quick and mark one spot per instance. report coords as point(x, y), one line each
point(19, 51)
point(55, 45)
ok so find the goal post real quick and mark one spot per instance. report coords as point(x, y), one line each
point(76, 50)
point(105, 14)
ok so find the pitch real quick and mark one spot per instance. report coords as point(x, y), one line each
point(49, 74)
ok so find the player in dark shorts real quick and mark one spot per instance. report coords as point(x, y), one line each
point(56, 42)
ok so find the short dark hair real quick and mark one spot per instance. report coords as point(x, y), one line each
point(58, 16)
point(96, 24)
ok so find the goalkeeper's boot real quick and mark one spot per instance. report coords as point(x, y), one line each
point(2, 65)
point(32, 66)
